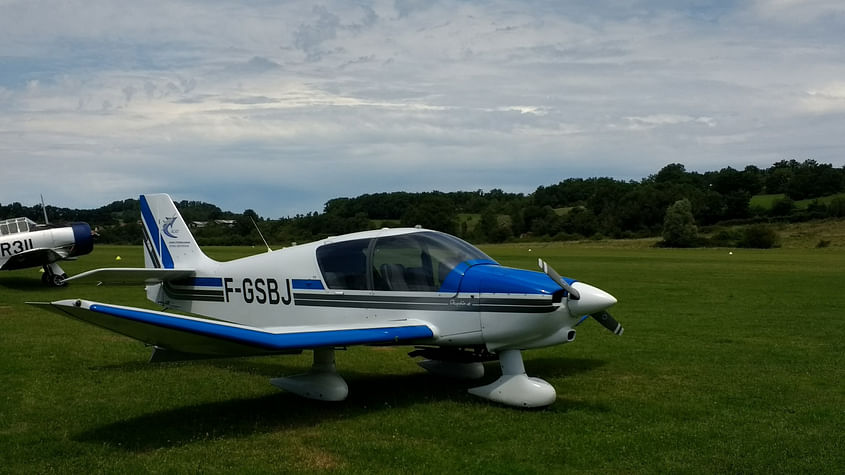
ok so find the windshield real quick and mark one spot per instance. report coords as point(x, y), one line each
point(16, 225)
point(407, 262)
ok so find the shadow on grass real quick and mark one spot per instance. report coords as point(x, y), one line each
point(368, 393)
point(244, 365)
point(560, 367)
point(24, 284)
point(276, 366)
point(270, 413)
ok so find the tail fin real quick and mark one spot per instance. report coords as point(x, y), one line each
point(168, 242)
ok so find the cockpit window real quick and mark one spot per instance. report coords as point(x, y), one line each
point(419, 261)
point(407, 262)
point(344, 264)
point(399, 263)
point(16, 225)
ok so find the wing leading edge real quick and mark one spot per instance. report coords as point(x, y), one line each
point(131, 275)
point(200, 336)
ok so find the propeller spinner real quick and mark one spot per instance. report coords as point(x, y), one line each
point(584, 299)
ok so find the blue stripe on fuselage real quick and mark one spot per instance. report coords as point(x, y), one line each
point(306, 284)
point(202, 281)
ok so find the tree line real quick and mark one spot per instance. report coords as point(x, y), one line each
point(574, 208)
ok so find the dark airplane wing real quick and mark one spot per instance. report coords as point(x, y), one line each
point(32, 258)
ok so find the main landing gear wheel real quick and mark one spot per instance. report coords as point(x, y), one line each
point(53, 279)
point(321, 382)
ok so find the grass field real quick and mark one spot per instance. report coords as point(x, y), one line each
point(729, 363)
point(767, 201)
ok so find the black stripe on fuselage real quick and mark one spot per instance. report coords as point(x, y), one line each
point(193, 294)
point(447, 304)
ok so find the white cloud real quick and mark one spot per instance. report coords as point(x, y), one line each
point(799, 11)
point(307, 102)
point(826, 99)
point(658, 120)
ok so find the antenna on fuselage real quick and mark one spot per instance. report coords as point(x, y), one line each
point(259, 233)
point(44, 209)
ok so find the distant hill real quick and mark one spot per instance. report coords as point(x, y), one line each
point(574, 208)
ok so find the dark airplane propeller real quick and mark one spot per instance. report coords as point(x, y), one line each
point(572, 293)
point(601, 316)
point(608, 322)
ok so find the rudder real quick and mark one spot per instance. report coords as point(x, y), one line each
point(168, 242)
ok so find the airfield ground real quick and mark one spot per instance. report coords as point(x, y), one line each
point(729, 363)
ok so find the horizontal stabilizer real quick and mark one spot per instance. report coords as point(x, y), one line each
point(131, 275)
point(201, 336)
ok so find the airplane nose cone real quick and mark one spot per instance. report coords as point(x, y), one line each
point(83, 239)
point(592, 300)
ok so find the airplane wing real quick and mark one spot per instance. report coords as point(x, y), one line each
point(131, 275)
point(206, 337)
point(32, 258)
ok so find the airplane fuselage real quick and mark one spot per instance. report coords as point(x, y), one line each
point(470, 303)
point(17, 246)
point(24, 244)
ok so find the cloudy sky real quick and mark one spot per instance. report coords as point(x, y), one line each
point(281, 106)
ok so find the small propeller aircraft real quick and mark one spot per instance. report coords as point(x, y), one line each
point(23, 243)
point(387, 287)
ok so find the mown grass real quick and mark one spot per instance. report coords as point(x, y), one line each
point(729, 363)
point(471, 219)
point(766, 202)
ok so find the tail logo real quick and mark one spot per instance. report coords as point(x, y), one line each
point(167, 227)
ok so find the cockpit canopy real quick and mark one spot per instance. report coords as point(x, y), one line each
point(417, 261)
point(16, 225)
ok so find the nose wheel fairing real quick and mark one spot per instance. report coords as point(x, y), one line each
point(514, 387)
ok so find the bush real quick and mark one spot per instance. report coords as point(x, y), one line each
point(783, 207)
point(759, 236)
point(679, 228)
point(562, 236)
point(726, 238)
point(836, 208)
point(817, 208)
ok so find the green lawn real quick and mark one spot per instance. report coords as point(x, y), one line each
point(767, 201)
point(729, 363)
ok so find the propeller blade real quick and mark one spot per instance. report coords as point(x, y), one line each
point(608, 322)
point(573, 294)
point(594, 299)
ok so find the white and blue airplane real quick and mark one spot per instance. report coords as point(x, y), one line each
point(24, 243)
point(387, 287)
